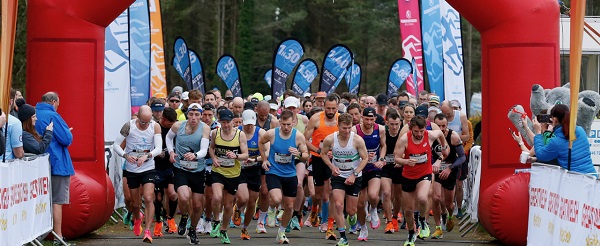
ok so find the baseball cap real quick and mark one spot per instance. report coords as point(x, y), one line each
point(402, 103)
point(422, 111)
point(436, 109)
point(177, 88)
point(208, 106)
point(248, 117)
point(258, 95)
point(307, 94)
point(382, 99)
point(291, 102)
point(273, 106)
point(195, 106)
point(455, 103)
point(369, 112)
point(434, 99)
point(225, 114)
point(321, 94)
point(249, 105)
point(157, 106)
point(160, 95)
point(254, 101)
point(394, 94)
point(267, 98)
point(185, 95)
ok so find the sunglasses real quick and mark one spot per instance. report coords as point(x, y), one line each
point(144, 123)
point(174, 101)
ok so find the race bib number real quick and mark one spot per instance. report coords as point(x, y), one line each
point(419, 158)
point(444, 166)
point(138, 155)
point(283, 158)
point(189, 165)
point(389, 158)
point(226, 162)
point(343, 164)
point(250, 164)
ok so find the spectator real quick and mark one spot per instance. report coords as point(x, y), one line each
point(32, 142)
point(60, 159)
point(14, 133)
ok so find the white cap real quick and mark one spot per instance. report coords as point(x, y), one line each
point(307, 94)
point(185, 95)
point(291, 102)
point(267, 97)
point(273, 106)
point(248, 117)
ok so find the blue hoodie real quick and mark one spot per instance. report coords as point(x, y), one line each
point(558, 148)
point(60, 159)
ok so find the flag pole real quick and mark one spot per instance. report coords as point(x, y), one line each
point(577, 22)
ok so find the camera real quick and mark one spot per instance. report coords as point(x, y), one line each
point(543, 118)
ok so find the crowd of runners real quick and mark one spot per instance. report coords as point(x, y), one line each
point(344, 163)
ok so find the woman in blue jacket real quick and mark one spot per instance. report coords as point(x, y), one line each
point(558, 146)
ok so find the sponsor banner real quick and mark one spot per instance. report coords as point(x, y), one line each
point(338, 58)
point(139, 53)
point(471, 194)
point(181, 61)
point(158, 81)
point(399, 72)
point(113, 164)
point(305, 74)
point(268, 77)
point(332, 89)
point(431, 19)
point(197, 72)
point(410, 31)
point(594, 139)
point(117, 103)
point(353, 79)
point(26, 206)
point(286, 57)
point(228, 71)
point(557, 215)
point(454, 76)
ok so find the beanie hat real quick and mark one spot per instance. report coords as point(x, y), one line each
point(25, 112)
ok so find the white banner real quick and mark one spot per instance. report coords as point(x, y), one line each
point(594, 139)
point(25, 205)
point(564, 208)
point(471, 190)
point(117, 104)
point(454, 72)
point(114, 167)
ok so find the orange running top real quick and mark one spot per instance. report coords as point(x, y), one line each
point(321, 132)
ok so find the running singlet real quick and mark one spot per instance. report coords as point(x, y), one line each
point(282, 161)
point(188, 143)
point(321, 132)
point(267, 125)
point(345, 158)
point(420, 152)
point(372, 141)
point(139, 143)
point(300, 126)
point(163, 163)
point(253, 152)
point(390, 142)
point(455, 124)
point(437, 152)
point(230, 168)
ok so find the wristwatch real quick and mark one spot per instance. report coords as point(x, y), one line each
point(319, 151)
point(381, 159)
point(355, 174)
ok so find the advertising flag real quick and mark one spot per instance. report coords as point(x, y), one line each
point(181, 61)
point(158, 81)
point(335, 63)
point(353, 79)
point(228, 71)
point(116, 77)
point(401, 70)
point(305, 74)
point(410, 31)
point(197, 72)
point(286, 57)
point(268, 77)
point(337, 83)
point(432, 45)
point(454, 75)
point(139, 53)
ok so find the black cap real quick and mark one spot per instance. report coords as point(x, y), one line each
point(382, 99)
point(422, 111)
point(157, 106)
point(25, 112)
point(369, 112)
point(249, 105)
point(254, 100)
point(208, 106)
point(402, 103)
point(20, 102)
point(225, 114)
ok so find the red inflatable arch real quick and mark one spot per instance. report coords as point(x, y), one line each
point(65, 53)
point(519, 48)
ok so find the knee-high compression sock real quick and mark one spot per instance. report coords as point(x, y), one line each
point(157, 211)
point(172, 208)
point(325, 211)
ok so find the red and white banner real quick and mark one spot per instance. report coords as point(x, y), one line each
point(564, 207)
point(25, 204)
point(471, 194)
point(410, 33)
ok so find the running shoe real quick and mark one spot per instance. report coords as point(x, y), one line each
point(449, 224)
point(352, 229)
point(172, 226)
point(127, 219)
point(137, 227)
point(444, 221)
point(295, 224)
point(323, 228)
point(260, 228)
point(307, 222)
point(395, 224)
point(271, 218)
point(288, 228)
point(314, 219)
point(329, 235)
point(231, 224)
point(424, 232)
point(438, 233)
point(460, 214)
point(200, 226)
point(245, 235)
point(224, 238)
point(343, 242)
point(237, 218)
point(389, 227)
point(158, 229)
point(375, 223)
point(255, 217)
point(279, 214)
point(207, 227)
point(192, 236)
point(216, 229)
point(364, 234)
point(147, 237)
point(282, 239)
point(410, 241)
point(182, 225)
point(403, 226)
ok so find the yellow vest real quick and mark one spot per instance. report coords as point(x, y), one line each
point(230, 168)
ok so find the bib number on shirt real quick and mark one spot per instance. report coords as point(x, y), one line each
point(419, 158)
point(390, 159)
point(374, 159)
point(226, 162)
point(343, 164)
point(189, 165)
point(283, 158)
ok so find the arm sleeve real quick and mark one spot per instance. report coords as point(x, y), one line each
point(545, 152)
point(169, 140)
point(46, 139)
point(157, 145)
point(117, 145)
point(203, 148)
point(62, 133)
point(460, 151)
